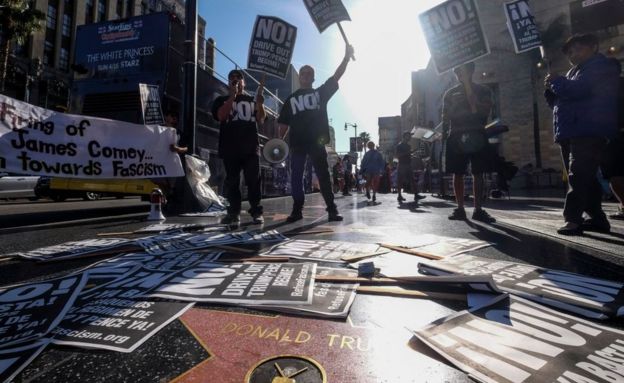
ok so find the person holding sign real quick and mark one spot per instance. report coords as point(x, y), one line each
point(584, 103)
point(465, 111)
point(304, 115)
point(239, 148)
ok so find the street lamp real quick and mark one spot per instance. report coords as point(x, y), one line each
point(354, 126)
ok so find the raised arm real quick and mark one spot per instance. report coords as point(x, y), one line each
point(343, 65)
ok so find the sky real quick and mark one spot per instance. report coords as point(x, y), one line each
point(386, 36)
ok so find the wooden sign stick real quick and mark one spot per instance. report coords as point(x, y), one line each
point(410, 251)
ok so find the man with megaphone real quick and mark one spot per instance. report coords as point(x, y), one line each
point(239, 147)
point(304, 117)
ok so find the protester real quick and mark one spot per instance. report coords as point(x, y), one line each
point(584, 103)
point(372, 167)
point(347, 164)
point(465, 111)
point(304, 114)
point(239, 148)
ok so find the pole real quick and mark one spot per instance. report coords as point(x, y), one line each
point(344, 37)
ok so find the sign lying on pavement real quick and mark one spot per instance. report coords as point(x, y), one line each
point(114, 317)
point(272, 283)
point(28, 311)
point(326, 12)
point(39, 141)
point(515, 340)
point(169, 242)
point(77, 249)
point(323, 251)
point(271, 46)
point(579, 294)
point(13, 360)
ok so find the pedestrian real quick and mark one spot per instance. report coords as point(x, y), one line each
point(372, 167)
point(405, 173)
point(584, 103)
point(347, 165)
point(338, 174)
point(239, 114)
point(465, 112)
point(304, 115)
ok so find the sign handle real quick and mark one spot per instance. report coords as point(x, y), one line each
point(344, 37)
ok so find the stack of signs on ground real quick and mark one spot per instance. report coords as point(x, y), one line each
point(579, 294)
point(271, 283)
point(13, 360)
point(515, 340)
point(323, 251)
point(78, 249)
point(168, 242)
point(164, 227)
point(331, 300)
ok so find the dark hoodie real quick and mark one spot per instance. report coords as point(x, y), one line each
point(584, 102)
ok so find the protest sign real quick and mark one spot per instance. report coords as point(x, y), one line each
point(515, 340)
point(39, 141)
point(272, 283)
point(326, 12)
point(579, 294)
point(28, 311)
point(162, 227)
point(329, 300)
point(113, 317)
point(168, 242)
point(13, 360)
point(150, 105)
point(323, 251)
point(521, 25)
point(272, 45)
point(454, 34)
point(78, 249)
point(439, 245)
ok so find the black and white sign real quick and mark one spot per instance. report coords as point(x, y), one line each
point(521, 24)
point(330, 300)
point(150, 105)
point(271, 283)
point(77, 249)
point(272, 45)
point(512, 340)
point(113, 317)
point(454, 34)
point(164, 227)
point(28, 311)
point(166, 243)
point(13, 360)
point(323, 251)
point(579, 294)
point(326, 12)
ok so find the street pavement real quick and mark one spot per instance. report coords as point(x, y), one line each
point(189, 349)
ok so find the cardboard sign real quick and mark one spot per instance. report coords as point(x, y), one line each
point(39, 141)
point(272, 45)
point(272, 283)
point(323, 251)
point(515, 340)
point(162, 227)
point(29, 311)
point(14, 360)
point(454, 34)
point(521, 25)
point(326, 12)
point(174, 242)
point(77, 249)
point(113, 317)
point(150, 105)
point(579, 294)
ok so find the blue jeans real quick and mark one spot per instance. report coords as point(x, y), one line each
point(318, 156)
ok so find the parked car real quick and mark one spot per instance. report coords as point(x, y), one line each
point(18, 186)
point(59, 189)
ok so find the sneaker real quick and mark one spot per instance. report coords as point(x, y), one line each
point(367, 194)
point(232, 220)
point(458, 214)
point(482, 216)
point(400, 198)
point(419, 196)
point(570, 228)
point(374, 198)
point(619, 215)
point(334, 216)
point(257, 219)
point(600, 226)
point(294, 217)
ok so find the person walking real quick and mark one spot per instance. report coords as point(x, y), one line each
point(584, 104)
point(372, 167)
point(347, 164)
point(239, 147)
point(465, 111)
point(405, 173)
point(304, 115)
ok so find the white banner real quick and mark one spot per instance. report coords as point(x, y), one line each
point(39, 141)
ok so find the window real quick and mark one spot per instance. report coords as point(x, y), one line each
point(89, 12)
point(119, 9)
point(67, 25)
point(101, 10)
point(64, 59)
point(48, 53)
point(51, 17)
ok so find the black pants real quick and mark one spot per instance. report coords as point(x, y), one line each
point(318, 156)
point(251, 171)
point(581, 158)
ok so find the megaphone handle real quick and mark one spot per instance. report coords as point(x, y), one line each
point(286, 134)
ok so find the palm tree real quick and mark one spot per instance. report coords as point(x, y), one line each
point(18, 21)
point(364, 138)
